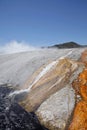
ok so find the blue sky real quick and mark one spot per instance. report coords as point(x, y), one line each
point(43, 22)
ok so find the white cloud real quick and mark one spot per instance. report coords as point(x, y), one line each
point(14, 47)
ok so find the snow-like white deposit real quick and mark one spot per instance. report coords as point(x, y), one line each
point(69, 53)
point(16, 68)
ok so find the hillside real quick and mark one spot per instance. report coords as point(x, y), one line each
point(67, 45)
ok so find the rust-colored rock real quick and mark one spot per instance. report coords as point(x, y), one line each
point(80, 81)
point(84, 57)
point(83, 91)
point(79, 121)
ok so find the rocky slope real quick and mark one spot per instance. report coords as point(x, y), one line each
point(43, 82)
point(48, 80)
point(67, 45)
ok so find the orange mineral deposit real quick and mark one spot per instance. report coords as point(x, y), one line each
point(84, 57)
point(83, 91)
point(79, 121)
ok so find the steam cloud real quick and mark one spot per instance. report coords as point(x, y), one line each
point(14, 47)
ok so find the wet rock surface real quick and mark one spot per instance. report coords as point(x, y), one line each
point(52, 96)
point(13, 116)
point(51, 81)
